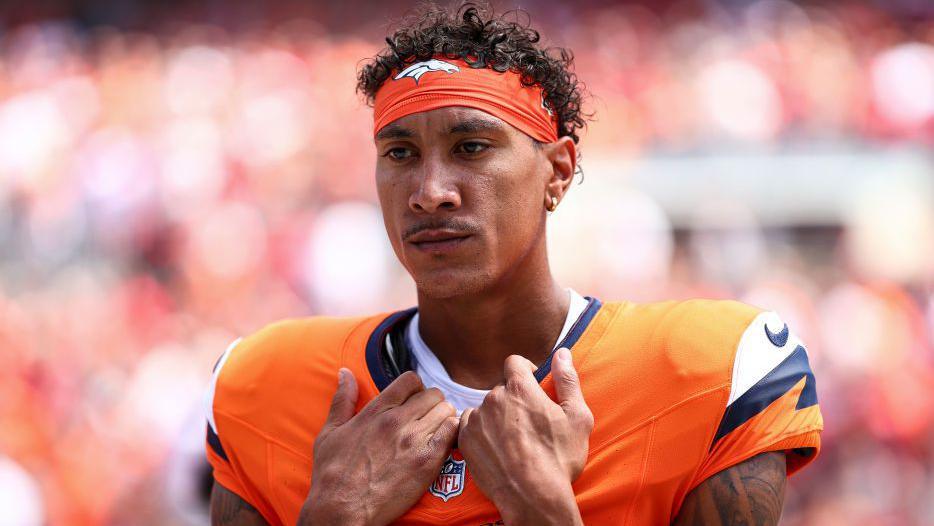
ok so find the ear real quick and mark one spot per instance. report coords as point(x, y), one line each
point(562, 158)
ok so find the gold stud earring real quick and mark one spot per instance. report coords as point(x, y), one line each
point(554, 204)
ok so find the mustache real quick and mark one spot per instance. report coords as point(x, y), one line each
point(449, 223)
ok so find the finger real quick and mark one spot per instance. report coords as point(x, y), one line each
point(465, 416)
point(519, 370)
point(344, 400)
point(406, 385)
point(445, 436)
point(494, 396)
point(437, 415)
point(420, 403)
point(567, 384)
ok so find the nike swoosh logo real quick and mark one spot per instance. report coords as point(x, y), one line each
point(778, 339)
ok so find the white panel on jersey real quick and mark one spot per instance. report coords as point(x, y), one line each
point(209, 395)
point(757, 354)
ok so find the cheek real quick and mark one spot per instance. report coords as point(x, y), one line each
point(392, 196)
point(516, 206)
point(388, 192)
point(384, 187)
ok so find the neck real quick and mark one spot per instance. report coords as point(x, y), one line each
point(473, 335)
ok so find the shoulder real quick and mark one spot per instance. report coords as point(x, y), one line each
point(733, 371)
point(279, 346)
point(284, 359)
point(274, 387)
point(690, 338)
point(716, 319)
point(703, 343)
point(703, 325)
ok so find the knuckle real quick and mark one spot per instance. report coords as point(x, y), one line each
point(435, 394)
point(514, 360)
point(422, 456)
point(375, 406)
point(495, 395)
point(448, 408)
point(587, 419)
point(436, 439)
point(514, 384)
point(466, 425)
point(389, 422)
point(411, 380)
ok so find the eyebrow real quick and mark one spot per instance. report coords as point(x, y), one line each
point(394, 131)
point(475, 125)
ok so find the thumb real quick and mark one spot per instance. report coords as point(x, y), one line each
point(567, 385)
point(344, 401)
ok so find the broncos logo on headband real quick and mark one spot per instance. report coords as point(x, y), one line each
point(420, 68)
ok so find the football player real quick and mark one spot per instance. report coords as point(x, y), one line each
point(503, 397)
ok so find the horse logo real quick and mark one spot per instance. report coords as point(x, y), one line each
point(420, 68)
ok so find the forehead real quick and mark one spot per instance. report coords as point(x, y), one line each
point(444, 121)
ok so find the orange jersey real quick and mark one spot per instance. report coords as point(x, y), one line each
point(679, 391)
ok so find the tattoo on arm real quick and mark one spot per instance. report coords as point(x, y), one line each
point(750, 493)
point(228, 509)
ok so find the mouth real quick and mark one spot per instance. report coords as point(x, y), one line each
point(437, 241)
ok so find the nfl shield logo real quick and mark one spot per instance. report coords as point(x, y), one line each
point(450, 482)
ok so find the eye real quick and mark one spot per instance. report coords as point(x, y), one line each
point(399, 153)
point(471, 147)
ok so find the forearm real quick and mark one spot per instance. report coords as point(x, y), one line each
point(539, 504)
point(326, 509)
point(312, 516)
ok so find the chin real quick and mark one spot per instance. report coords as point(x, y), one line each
point(452, 283)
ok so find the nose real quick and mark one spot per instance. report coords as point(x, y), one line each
point(436, 190)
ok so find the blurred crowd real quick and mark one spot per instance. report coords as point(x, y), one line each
point(163, 192)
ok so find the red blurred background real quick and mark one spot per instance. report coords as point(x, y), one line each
point(175, 175)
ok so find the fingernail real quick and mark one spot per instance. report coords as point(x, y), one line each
point(341, 378)
point(564, 355)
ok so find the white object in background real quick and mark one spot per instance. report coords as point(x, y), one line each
point(20, 496)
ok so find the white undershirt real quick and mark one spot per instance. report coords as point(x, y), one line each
point(433, 374)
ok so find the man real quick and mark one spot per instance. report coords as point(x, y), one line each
point(502, 398)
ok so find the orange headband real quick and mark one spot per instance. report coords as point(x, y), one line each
point(442, 82)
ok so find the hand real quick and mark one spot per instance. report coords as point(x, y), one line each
point(523, 450)
point(372, 467)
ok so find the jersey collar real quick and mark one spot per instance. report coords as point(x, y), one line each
point(376, 351)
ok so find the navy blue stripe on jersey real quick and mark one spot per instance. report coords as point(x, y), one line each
point(215, 442)
point(583, 321)
point(374, 347)
point(375, 343)
point(769, 389)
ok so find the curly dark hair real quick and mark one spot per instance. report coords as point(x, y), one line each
point(482, 40)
